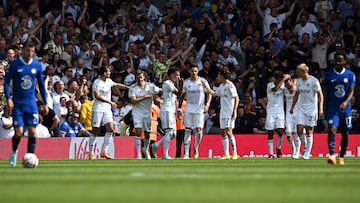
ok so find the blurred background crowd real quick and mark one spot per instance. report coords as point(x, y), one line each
point(252, 37)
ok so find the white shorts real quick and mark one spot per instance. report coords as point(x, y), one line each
point(168, 120)
point(306, 119)
point(290, 122)
point(274, 121)
point(195, 120)
point(143, 122)
point(227, 123)
point(101, 118)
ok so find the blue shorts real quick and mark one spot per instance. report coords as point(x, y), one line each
point(25, 114)
point(342, 120)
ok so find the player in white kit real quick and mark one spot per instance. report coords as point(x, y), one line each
point(275, 114)
point(290, 119)
point(194, 111)
point(101, 111)
point(309, 100)
point(141, 96)
point(229, 101)
point(168, 110)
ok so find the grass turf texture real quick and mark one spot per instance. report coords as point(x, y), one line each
point(203, 180)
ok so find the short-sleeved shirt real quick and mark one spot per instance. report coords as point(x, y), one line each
point(71, 130)
point(143, 107)
point(104, 89)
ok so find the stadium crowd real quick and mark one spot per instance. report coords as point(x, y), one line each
point(253, 38)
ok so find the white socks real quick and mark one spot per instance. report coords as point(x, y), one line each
point(107, 141)
point(198, 140)
point(187, 141)
point(271, 147)
point(91, 143)
point(233, 144)
point(167, 139)
point(291, 142)
point(309, 142)
point(225, 144)
point(138, 147)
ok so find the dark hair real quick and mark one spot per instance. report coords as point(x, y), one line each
point(173, 70)
point(103, 70)
point(29, 43)
point(340, 53)
point(224, 71)
point(71, 81)
point(60, 62)
point(278, 74)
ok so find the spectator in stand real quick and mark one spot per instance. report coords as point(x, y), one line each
point(244, 122)
point(85, 112)
point(58, 92)
point(345, 9)
point(273, 17)
point(6, 123)
point(304, 26)
point(50, 119)
point(259, 126)
point(41, 130)
point(72, 128)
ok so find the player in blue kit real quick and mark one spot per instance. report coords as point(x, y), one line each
point(24, 72)
point(340, 84)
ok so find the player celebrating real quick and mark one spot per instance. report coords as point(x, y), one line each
point(101, 111)
point(194, 110)
point(229, 100)
point(275, 116)
point(24, 73)
point(168, 110)
point(290, 119)
point(340, 84)
point(309, 99)
point(141, 95)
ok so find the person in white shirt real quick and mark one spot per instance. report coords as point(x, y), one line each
point(101, 111)
point(170, 89)
point(141, 96)
point(273, 17)
point(275, 114)
point(6, 124)
point(194, 111)
point(229, 101)
point(290, 119)
point(305, 27)
point(41, 130)
point(309, 99)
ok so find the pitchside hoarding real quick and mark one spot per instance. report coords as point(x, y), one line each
point(250, 145)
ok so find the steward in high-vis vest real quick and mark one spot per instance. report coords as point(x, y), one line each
point(180, 128)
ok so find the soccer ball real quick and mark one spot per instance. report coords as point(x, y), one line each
point(30, 160)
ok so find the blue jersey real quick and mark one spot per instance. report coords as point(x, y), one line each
point(338, 85)
point(24, 76)
point(71, 130)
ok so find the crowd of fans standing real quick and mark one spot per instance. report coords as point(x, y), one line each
point(253, 38)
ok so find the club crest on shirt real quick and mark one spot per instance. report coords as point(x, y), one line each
point(33, 70)
point(346, 80)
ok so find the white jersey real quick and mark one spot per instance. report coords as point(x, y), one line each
point(143, 107)
point(104, 89)
point(308, 99)
point(289, 97)
point(195, 95)
point(275, 99)
point(227, 93)
point(169, 98)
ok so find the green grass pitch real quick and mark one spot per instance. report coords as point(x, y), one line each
point(186, 181)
